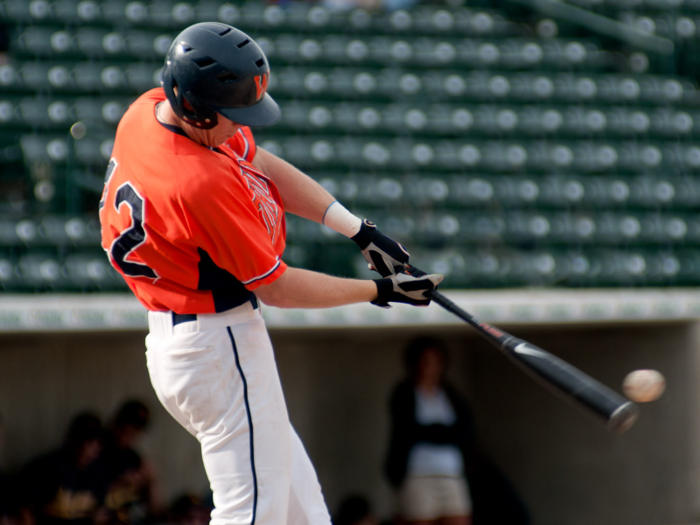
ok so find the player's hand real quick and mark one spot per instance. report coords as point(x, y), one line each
point(408, 288)
point(383, 254)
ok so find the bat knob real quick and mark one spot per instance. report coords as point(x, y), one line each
point(623, 418)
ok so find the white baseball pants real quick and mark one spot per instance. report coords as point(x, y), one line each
point(217, 377)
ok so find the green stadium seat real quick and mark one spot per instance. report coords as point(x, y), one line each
point(34, 148)
point(670, 122)
point(36, 114)
point(142, 77)
point(122, 12)
point(204, 10)
point(304, 17)
point(88, 77)
point(41, 41)
point(160, 14)
point(88, 11)
point(530, 87)
point(85, 270)
point(94, 150)
point(7, 271)
point(42, 271)
point(425, 191)
point(524, 160)
point(89, 41)
point(88, 109)
point(8, 114)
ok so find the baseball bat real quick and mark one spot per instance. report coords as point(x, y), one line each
point(617, 413)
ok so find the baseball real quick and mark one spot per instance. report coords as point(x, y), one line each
point(644, 386)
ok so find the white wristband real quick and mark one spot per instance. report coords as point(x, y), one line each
point(338, 218)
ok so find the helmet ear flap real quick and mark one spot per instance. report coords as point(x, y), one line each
point(200, 116)
point(183, 103)
point(194, 114)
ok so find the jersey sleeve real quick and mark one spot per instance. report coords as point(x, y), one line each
point(223, 218)
point(243, 143)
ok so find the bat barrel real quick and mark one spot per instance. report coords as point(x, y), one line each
point(616, 412)
point(623, 418)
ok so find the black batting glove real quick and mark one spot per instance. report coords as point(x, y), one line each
point(383, 254)
point(409, 288)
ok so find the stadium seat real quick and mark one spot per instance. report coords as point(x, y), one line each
point(88, 77)
point(520, 157)
point(122, 12)
point(40, 270)
point(90, 269)
point(90, 41)
point(142, 77)
point(41, 41)
point(40, 113)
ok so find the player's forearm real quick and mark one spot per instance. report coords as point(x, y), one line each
point(297, 288)
point(301, 195)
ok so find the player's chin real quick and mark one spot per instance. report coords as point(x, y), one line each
point(220, 138)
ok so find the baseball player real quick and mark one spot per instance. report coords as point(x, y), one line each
point(192, 217)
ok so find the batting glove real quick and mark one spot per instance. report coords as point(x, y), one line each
point(382, 253)
point(406, 288)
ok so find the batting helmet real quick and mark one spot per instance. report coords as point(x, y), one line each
point(217, 68)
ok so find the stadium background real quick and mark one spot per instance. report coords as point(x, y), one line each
point(533, 150)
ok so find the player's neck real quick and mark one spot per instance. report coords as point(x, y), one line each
point(166, 115)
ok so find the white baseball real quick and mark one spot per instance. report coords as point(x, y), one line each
point(643, 386)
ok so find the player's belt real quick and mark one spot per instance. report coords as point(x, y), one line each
point(183, 318)
point(186, 318)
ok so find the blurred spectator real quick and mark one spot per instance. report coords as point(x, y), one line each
point(133, 495)
point(439, 472)
point(67, 486)
point(354, 510)
point(189, 510)
point(432, 441)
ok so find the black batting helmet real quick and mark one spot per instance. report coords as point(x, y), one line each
point(217, 68)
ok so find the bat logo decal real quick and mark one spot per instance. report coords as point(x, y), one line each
point(490, 329)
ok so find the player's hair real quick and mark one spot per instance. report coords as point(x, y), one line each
point(215, 69)
point(415, 349)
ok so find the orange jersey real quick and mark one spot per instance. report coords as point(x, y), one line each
point(191, 229)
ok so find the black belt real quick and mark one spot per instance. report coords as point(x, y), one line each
point(186, 318)
point(183, 318)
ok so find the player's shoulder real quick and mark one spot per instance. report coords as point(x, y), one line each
point(150, 97)
point(205, 174)
point(135, 122)
point(142, 104)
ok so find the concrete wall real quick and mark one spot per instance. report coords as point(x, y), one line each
point(566, 466)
